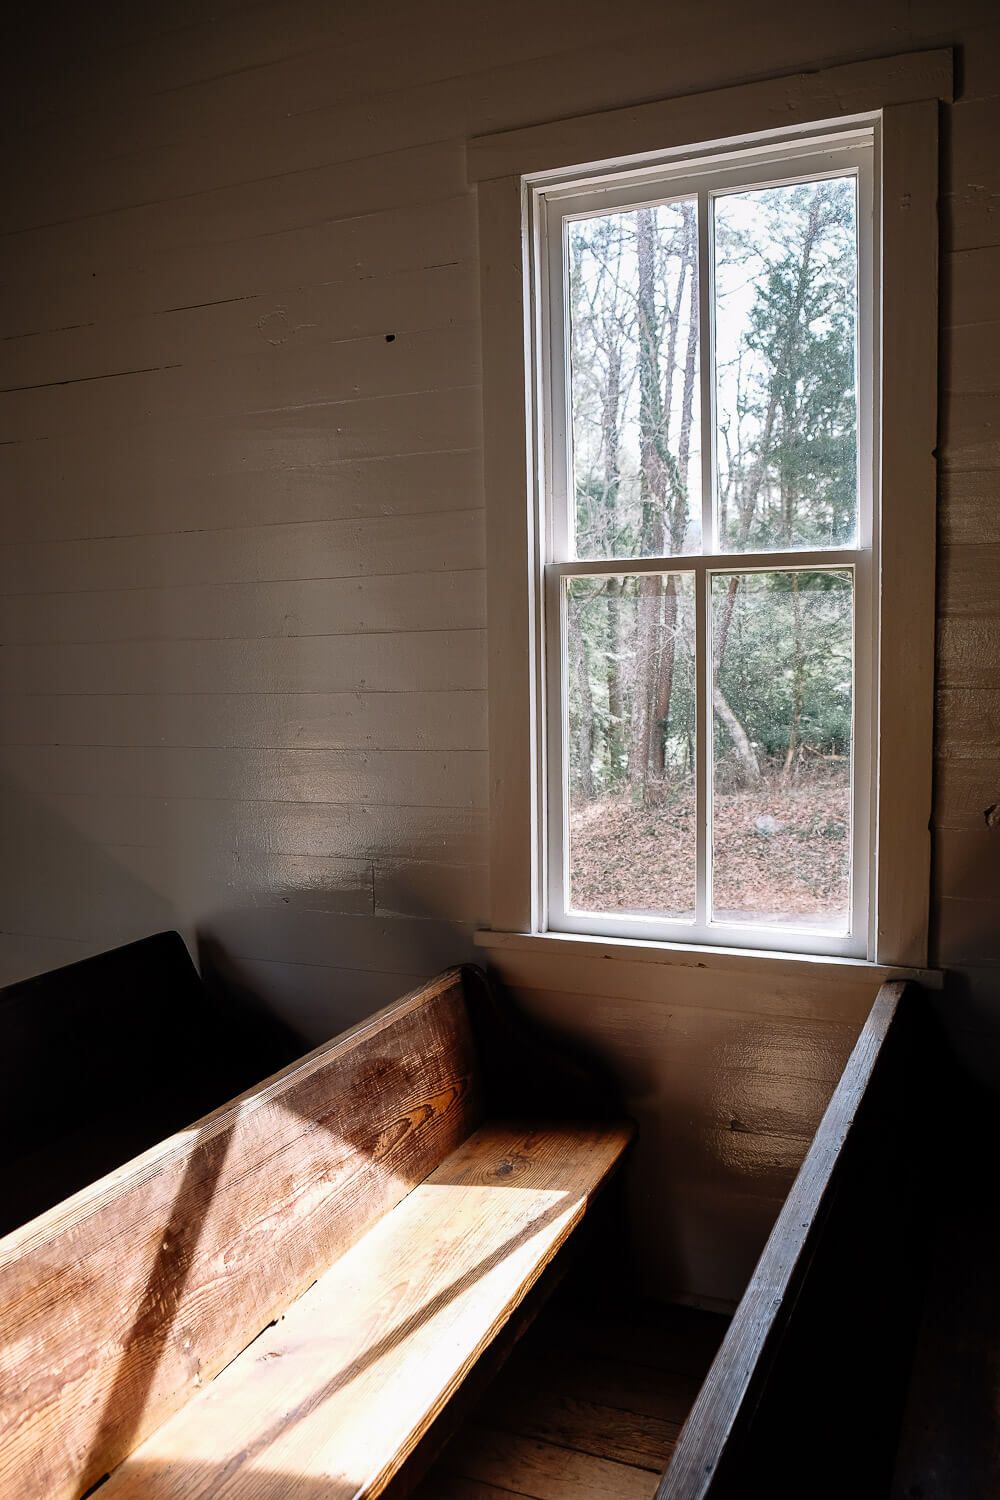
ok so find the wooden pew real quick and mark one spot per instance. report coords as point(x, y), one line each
point(806, 1393)
point(283, 1298)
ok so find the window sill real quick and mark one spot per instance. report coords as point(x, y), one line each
point(718, 960)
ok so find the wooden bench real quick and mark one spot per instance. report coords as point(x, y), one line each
point(283, 1298)
point(805, 1396)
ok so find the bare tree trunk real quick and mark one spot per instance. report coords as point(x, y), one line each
point(652, 493)
point(673, 327)
point(665, 674)
point(584, 727)
point(613, 668)
point(645, 672)
point(745, 752)
point(799, 680)
point(679, 515)
point(610, 417)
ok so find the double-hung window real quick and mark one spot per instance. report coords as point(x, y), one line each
point(706, 401)
point(711, 520)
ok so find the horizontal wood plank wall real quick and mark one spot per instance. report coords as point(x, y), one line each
point(242, 604)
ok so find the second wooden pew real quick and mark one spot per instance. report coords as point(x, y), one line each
point(805, 1395)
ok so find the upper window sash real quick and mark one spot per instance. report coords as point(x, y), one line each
point(553, 207)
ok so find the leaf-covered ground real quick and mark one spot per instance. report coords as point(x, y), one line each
point(782, 852)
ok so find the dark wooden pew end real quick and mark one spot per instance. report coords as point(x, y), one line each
point(807, 1392)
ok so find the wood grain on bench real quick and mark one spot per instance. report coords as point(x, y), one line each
point(125, 1300)
point(336, 1396)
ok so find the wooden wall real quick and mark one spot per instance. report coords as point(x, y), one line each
point(241, 586)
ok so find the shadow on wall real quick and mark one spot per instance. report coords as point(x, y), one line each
point(297, 941)
point(136, 1057)
point(968, 1015)
point(965, 943)
point(317, 971)
point(63, 896)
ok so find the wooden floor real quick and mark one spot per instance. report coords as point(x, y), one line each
point(589, 1406)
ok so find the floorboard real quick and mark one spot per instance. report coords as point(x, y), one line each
point(589, 1406)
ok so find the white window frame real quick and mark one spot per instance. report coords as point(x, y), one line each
point(550, 207)
point(899, 99)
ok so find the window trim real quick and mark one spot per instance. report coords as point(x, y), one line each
point(904, 94)
point(700, 178)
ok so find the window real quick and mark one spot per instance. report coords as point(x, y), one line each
point(710, 431)
point(705, 399)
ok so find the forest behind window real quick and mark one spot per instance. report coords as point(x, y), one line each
point(771, 386)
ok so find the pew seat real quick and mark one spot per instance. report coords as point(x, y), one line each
point(338, 1393)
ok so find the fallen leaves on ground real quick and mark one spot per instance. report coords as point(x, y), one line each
point(781, 852)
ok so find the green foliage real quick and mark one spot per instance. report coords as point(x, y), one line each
point(787, 671)
point(789, 424)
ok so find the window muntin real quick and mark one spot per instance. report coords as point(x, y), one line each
point(656, 261)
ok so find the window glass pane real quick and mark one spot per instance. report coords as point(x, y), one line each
point(634, 392)
point(781, 784)
point(785, 298)
point(631, 747)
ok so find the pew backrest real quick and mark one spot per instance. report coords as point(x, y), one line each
point(124, 1300)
